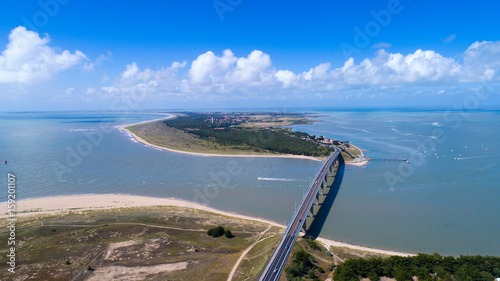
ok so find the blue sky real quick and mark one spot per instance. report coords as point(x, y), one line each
point(67, 55)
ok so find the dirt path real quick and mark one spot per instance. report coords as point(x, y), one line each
point(235, 267)
point(320, 258)
point(136, 223)
point(125, 223)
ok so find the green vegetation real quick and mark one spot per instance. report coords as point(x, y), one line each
point(302, 263)
point(219, 231)
point(265, 139)
point(331, 267)
point(216, 231)
point(227, 133)
point(308, 263)
point(240, 134)
point(228, 234)
point(424, 266)
point(313, 244)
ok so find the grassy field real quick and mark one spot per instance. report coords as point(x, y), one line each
point(350, 153)
point(256, 259)
point(167, 243)
point(266, 121)
point(159, 134)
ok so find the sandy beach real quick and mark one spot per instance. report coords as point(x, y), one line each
point(81, 203)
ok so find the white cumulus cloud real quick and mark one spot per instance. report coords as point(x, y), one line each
point(253, 69)
point(287, 77)
point(145, 82)
point(482, 62)
point(28, 58)
point(227, 75)
point(208, 67)
point(227, 72)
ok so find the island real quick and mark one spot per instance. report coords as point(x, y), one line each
point(238, 134)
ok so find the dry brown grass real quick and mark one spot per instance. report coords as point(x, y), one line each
point(138, 241)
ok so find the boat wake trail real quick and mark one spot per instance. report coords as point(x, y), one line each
point(472, 157)
point(277, 179)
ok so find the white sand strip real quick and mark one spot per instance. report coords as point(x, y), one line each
point(64, 204)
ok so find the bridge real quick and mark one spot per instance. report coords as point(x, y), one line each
point(304, 216)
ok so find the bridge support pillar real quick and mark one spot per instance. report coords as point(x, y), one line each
point(322, 194)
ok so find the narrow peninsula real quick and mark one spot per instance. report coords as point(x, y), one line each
point(240, 134)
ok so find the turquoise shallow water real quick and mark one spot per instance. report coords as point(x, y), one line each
point(447, 201)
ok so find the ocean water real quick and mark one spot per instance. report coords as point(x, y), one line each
point(446, 200)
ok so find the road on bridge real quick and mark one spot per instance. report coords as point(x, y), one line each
point(275, 265)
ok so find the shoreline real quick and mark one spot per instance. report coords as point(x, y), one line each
point(169, 115)
point(64, 204)
point(144, 142)
point(141, 140)
point(359, 163)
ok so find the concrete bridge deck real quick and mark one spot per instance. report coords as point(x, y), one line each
point(307, 209)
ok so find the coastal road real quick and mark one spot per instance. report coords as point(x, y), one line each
point(275, 265)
